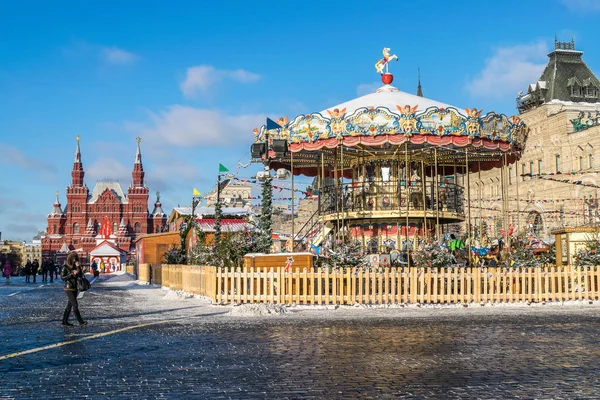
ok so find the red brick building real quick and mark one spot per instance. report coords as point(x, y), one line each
point(120, 217)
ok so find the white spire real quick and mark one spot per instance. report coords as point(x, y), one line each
point(138, 153)
point(122, 222)
point(78, 151)
point(90, 224)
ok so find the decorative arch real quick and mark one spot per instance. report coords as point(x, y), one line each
point(137, 227)
point(75, 228)
point(535, 223)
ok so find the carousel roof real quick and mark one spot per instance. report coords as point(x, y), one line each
point(389, 97)
point(381, 123)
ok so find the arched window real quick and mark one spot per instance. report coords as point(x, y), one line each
point(75, 228)
point(114, 227)
point(54, 230)
point(137, 227)
point(535, 222)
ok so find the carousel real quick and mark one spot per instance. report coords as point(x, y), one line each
point(389, 167)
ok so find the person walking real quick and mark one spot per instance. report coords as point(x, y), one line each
point(7, 272)
point(51, 268)
point(27, 271)
point(44, 271)
point(35, 267)
point(69, 274)
point(57, 269)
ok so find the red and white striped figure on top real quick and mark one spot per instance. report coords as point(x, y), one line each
point(380, 64)
point(288, 263)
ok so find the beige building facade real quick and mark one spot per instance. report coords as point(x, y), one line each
point(555, 183)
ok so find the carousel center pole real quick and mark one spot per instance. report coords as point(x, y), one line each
point(437, 195)
point(293, 192)
point(518, 202)
point(468, 204)
point(480, 195)
point(424, 188)
point(406, 197)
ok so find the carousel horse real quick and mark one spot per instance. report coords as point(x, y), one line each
point(380, 64)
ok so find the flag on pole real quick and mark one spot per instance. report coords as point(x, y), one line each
point(222, 168)
point(196, 192)
point(272, 124)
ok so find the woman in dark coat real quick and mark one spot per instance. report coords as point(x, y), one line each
point(70, 271)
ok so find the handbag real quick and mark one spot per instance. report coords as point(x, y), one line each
point(83, 284)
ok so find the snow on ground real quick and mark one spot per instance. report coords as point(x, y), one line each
point(258, 309)
point(181, 304)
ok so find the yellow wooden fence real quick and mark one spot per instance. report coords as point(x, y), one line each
point(382, 286)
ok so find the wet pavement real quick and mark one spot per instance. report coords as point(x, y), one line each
point(174, 348)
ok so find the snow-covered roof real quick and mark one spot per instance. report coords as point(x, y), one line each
point(390, 97)
point(201, 211)
point(227, 225)
point(106, 248)
point(113, 186)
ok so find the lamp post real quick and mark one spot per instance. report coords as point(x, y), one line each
point(261, 150)
point(185, 226)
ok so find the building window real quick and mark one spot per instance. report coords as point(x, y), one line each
point(590, 161)
point(137, 227)
point(575, 91)
point(510, 176)
point(557, 163)
point(590, 92)
point(75, 228)
point(114, 227)
point(531, 168)
point(540, 167)
point(581, 163)
point(54, 229)
point(522, 172)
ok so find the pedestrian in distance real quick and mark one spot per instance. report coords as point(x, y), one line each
point(27, 271)
point(57, 270)
point(35, 268)
point(69, 274)
point(51, 270)
point(44, 271)
point(7, 272)
point(94, 268)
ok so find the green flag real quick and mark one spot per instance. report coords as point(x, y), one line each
point(222, 168)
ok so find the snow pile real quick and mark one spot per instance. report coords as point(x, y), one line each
point(255, 310)
point(177, 295)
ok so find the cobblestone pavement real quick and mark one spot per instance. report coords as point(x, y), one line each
point(201, 352)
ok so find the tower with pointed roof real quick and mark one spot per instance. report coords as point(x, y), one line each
point(138, 194)
point(566, 78)
point(419, 88)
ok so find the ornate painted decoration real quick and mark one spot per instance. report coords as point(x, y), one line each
point(379, 125)
point(582, 122)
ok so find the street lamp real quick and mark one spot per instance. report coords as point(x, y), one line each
point(185, 226)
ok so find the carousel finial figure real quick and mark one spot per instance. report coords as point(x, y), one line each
point(380, 64)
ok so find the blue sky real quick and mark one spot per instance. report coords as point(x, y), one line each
point(193, 79)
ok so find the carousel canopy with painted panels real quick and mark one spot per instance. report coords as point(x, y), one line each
point(389, 123)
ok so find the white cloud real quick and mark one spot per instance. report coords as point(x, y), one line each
point(185, 126)
point(114, 55)
point(202, 77)
point(15, 157)
point(109, 168)
point(367, 88)
point(582, 6)
point(509, 70)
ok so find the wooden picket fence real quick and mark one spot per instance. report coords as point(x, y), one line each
point(383, 286)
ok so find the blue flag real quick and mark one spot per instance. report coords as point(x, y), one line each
point(272, 124)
